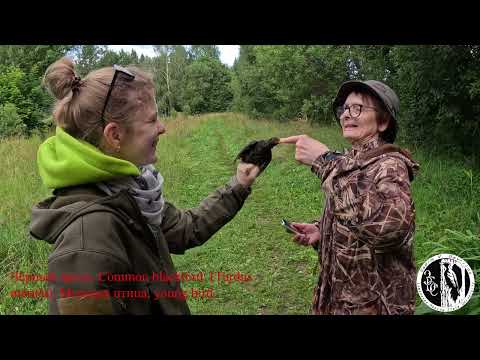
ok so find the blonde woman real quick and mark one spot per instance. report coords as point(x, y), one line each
point(111, 228)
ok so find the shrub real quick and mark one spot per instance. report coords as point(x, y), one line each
point(11, 123)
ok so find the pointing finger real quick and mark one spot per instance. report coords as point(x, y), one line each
point(289, 140)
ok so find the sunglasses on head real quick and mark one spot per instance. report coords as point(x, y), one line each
point(118, 70)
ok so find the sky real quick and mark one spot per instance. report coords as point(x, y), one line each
point(228, 53)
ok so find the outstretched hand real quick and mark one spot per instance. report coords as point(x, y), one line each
point(247, 173)
point(307, 150)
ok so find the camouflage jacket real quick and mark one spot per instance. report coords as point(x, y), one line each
point(367, 264)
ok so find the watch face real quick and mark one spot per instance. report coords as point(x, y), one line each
point(331, 155)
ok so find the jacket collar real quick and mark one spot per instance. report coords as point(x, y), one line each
point(369, 145)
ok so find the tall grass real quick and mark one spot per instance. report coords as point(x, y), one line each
point(196, 156)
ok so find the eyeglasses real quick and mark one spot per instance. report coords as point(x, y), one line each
point(354, 110)
point(118, 70)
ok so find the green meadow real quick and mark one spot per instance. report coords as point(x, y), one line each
point(195, 156)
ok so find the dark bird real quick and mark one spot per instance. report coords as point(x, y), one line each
point(452, 281)
point(258, 152)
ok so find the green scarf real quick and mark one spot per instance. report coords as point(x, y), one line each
point(66, 161)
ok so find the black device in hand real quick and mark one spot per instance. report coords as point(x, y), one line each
point(289, 227)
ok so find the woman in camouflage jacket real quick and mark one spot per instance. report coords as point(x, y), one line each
point(365, 236)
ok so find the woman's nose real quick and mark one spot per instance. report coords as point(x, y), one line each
point(161, 128)
point(345, 115)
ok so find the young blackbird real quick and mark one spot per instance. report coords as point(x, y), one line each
point(258, 152)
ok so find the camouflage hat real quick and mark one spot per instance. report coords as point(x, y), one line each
point(380, 91)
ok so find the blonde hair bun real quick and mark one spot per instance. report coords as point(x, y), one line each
point(59, 77)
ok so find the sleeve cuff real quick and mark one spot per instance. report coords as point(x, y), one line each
point(243, 191)
point(318, 164)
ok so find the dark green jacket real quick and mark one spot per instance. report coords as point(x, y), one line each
point(95, 235)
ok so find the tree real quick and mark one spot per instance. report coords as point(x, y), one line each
point(11, 123)
point(169, 70)
point(32, 58)
point(284, 82)
point(22, 68)
point(196, 52)
point(207, 86)
point(88, 57)
point(123, 58)
point(438, 86)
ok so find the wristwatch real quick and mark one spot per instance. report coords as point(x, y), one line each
point(330, 155)
point(324, 158)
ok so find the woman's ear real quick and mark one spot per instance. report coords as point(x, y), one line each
point(113, 135)
point(383, 124)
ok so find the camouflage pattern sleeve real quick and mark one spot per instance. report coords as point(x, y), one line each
point(322, 168)
point(374, 204)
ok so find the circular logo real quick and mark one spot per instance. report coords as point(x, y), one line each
point(445, 282)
